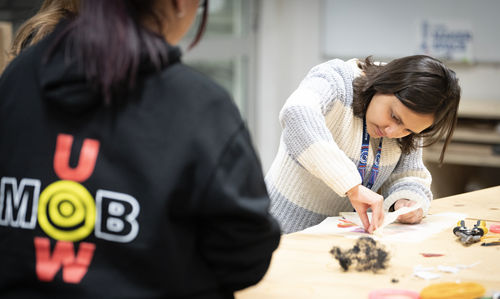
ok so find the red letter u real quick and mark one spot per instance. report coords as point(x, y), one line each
point(86, 163)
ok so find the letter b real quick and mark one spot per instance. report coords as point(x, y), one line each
point(116, 216)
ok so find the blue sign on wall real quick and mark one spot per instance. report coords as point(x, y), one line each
point(451, 41)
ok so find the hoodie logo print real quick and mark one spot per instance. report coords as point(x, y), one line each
point(74, 267)
point(86, 163)
point(66, 211)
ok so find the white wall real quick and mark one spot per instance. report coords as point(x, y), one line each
point(393, 28)
point(393, 34)
point(288, 46)
point(479, 82)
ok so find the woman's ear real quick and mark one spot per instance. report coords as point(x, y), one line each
point(180, 8)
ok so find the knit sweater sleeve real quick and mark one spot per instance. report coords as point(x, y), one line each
point(410, 180)
point(305, 133)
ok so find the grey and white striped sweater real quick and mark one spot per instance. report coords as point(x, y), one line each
point(319, 153)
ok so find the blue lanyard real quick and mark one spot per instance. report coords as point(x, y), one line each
point(364, 157)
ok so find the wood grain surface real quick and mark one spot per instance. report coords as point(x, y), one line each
point(302, 266)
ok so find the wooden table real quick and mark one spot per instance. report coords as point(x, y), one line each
point(483, 204)
point(302, 266)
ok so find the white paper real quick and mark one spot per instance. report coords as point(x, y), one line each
point(389, 217)
point(422, 268)
point(448, 269)
point(395, 231)
point(467, 266)
point(425, 273)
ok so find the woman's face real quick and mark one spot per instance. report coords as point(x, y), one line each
point(386, 116)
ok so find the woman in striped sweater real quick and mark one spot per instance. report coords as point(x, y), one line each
point(352, 128)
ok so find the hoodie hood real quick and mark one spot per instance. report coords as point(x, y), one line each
point(63, 81)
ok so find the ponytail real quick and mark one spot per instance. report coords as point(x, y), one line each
point(108, 40)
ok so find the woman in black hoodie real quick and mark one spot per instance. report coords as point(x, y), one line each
point(123, 172)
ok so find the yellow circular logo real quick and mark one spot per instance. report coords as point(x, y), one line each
point(66, 211)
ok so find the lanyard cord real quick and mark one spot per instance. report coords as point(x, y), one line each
point(364, 157)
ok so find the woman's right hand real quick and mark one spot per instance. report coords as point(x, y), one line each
point(363, 198)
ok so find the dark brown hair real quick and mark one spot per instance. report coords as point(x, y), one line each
point(109, 39)
point(423, 84)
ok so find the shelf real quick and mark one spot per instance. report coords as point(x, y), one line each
point(476, 135)
point(469, 162)
point(463, 154)
point(479, 109)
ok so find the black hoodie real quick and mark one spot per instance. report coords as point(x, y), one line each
point(160, 197)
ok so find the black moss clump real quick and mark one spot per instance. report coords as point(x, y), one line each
point(366, 254)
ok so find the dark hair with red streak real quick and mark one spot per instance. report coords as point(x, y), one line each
point(109, 41)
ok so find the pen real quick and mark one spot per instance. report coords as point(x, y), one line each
point(491, 244)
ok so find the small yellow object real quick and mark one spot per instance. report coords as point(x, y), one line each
point(451, 290)
point(482, 224)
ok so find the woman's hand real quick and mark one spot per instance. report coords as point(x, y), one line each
point(363, 198)
point(412, 217)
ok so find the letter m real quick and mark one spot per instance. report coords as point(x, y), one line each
point(18, 205)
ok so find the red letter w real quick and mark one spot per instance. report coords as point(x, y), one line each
point(74, 269)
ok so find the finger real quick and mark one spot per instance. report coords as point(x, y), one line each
point(409, 220)
point(370, 229)
point(377, 215)
point(411, 203)
point(380, 216)
point(417, 221)
point(404, 218)
point(408, 215)
point(419, 216)
point(364, 219)
point(414, 220)
point(412, 217)
point(380, 220)
point(400, 203)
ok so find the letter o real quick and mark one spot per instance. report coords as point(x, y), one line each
point(56, 223)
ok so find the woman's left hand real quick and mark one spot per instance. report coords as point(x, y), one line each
point(412, 217)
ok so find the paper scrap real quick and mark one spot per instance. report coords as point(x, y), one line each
point(425, 273)
point(421, 268)
point(467, 266)
point(396, 231)
point(448, 269)
point(432, 254)
point(389, 217)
